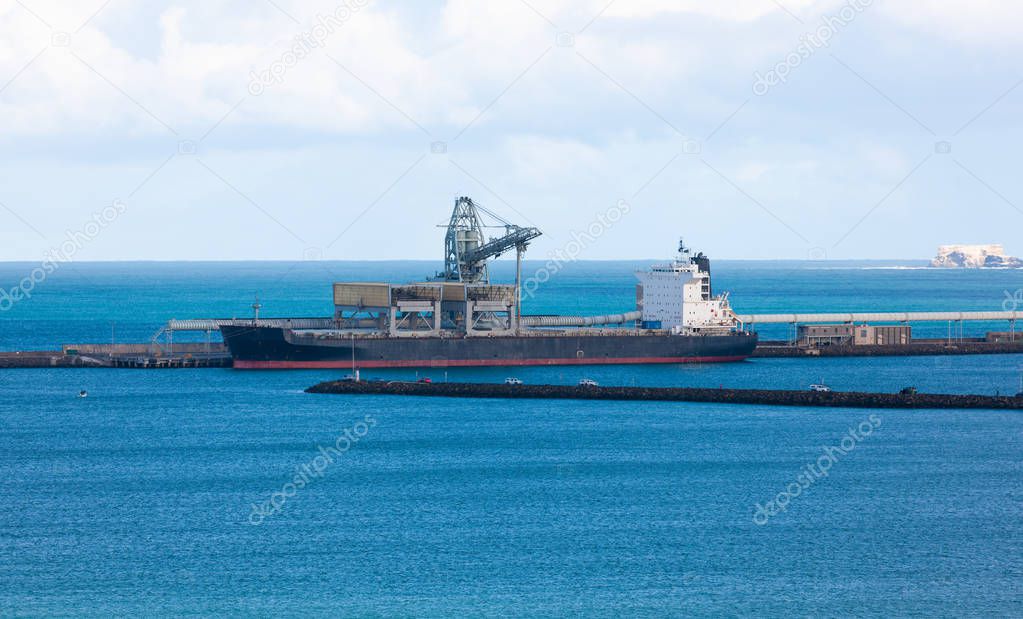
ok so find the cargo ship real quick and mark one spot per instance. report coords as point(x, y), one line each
point(459, 319)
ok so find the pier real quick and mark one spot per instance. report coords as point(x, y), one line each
point(43, 359)
point(152, 356)
point(140, 356)
point(917, 348)
point(772, 397)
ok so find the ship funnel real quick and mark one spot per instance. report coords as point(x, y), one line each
point(702, 262)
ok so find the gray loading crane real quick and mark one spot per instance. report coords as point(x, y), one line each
point(466, 250)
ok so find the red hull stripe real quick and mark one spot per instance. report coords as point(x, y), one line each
point(456, 363)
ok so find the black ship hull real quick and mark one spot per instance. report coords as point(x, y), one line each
point(276, 348)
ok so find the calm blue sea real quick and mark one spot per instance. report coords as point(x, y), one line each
point(202, 492)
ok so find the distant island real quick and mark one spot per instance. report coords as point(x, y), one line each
point(975, 257)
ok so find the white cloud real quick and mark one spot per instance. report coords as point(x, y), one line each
point(738, 10)
point(442, 68)
point(442, 72)
point(979, 22)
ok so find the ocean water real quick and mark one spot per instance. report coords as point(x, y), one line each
point(201, 492)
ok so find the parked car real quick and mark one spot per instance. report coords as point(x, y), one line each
point(425, 380)
point(511, 380)
point(820, 388)
point(349, 378)
point(588, 382)
point(908, 391)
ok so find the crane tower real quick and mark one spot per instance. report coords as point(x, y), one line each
point(466, 250)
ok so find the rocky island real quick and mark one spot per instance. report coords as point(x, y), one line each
point(975, 257)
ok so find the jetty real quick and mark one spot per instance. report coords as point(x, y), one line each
point(918, 348)
point(773, 397)
point(140, 356)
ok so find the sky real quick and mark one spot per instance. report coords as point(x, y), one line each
point(344, 130)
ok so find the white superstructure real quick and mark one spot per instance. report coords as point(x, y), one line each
point(678, 297)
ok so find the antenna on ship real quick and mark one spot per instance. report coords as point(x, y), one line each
point(683, 251)
point(256, 306)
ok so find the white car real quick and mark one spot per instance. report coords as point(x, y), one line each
point(512, 381)
point(820, 388)
point(588, 382)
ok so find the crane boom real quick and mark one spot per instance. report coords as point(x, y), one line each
point(516, 236)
